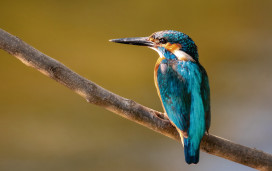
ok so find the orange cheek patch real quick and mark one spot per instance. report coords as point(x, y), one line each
point(172, 47)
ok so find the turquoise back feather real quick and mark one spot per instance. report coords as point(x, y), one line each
point(180, 87)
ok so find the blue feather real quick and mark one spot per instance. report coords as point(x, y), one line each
point(180, 86)
point(191, 154)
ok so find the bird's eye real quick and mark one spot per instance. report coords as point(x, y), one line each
point(162, 40)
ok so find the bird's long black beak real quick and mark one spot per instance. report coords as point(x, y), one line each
point(141, 41)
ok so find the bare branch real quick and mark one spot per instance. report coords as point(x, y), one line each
point(127, 108)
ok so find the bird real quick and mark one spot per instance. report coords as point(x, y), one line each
point(182, 85)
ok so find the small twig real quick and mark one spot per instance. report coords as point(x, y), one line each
point(127, 108)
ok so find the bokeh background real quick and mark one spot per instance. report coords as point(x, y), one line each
point(45, 126)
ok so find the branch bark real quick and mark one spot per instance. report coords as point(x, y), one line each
point(127, 108)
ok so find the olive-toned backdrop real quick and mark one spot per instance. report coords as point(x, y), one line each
point(44, 126)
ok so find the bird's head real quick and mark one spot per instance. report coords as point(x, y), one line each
point(169, 44)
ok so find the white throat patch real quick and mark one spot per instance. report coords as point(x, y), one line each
point(178, 53)
point(182, 55)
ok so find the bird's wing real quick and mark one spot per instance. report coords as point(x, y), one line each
point(205, 94)
point(176, 99)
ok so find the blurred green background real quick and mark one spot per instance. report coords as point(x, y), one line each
point(45, 126)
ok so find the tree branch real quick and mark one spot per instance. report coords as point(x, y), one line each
point(127, 108)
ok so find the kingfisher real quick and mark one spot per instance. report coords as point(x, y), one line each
point(182, 85)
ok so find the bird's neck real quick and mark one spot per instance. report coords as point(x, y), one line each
point(173, 54)
point(182, 56)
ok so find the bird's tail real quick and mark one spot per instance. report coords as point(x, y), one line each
point(191, 153)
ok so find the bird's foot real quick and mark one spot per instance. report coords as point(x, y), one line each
point(162, 115)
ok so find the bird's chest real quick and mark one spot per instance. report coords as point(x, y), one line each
point(171, 75)
point(167, 70)
point(166, 76)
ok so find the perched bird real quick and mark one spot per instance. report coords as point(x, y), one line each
point(182, 84)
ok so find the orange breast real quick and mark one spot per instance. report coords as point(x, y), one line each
point(156, 78)
point(172, 47)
